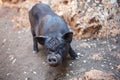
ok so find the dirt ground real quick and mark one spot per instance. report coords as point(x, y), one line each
point(18, 62)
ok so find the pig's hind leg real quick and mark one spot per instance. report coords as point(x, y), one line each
point(35, 43)
point(33, 23)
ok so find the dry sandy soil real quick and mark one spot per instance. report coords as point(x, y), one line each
point(99, 59)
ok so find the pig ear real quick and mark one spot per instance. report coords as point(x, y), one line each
point(68, 36)
point(41, 39)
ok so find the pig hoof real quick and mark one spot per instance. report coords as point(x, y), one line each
point(34, 52)
point(74, 56)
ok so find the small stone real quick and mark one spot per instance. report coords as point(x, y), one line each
point(43, 62)
point(8, 74)
point(102, 65)
point(70, 64)
point(34, 52)
point(84, 61)
point(110, 63)
point(77, 22)
point(26, 78)
point(82, 55)
point(89, 46)
point(13, 61)
point(4, 40)
point(78, 54)
point(88, 0)
point(67, 74)
point(112, 67)
point(104, 62)
point(11, 57)
point(34, 72)
point(25, 72)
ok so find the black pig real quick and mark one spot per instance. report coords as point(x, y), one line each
point(51, 31)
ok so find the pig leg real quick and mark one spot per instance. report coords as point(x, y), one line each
point(72, 53)
point(35, 43)
point(33, 23)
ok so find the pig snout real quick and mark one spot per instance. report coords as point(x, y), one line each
point(54, 60)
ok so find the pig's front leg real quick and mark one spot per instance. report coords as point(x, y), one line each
point(72, 53)
point(35, 46)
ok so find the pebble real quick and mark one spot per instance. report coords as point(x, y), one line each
point(112, 67)
point(88, 0)
point(13, 61)
point(70, 64)
point(25, 72)
point(43, 62)
point(8, 74)
point(67, 74)
point(34, 72)
point(102, 65)
point(104, 62)
point(4, 40)
point(34, 52)
point(89, 46)
point(11, 57)
point(110, 63)
point(26, 78)
point(78, 54)
point(110, 49)
point(84, 61)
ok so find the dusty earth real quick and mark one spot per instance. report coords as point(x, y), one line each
point(98, 59)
